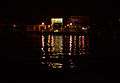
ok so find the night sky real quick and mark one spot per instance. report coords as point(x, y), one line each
point(24, 10)
point(43, 7)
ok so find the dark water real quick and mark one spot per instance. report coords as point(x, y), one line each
point(56, 52)
point(61, 51)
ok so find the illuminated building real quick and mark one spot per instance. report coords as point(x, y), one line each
point(57, 24)
point(74, 20)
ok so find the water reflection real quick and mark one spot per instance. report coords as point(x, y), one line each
point(59, 50)
point(55, 65)
point(54, 44)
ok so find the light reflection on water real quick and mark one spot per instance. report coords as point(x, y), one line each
point(57, 47)
point(42, 41)
point(54, 44)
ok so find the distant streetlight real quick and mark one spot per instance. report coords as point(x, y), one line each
point(43, 57)
point(67, 24)
point(43, 23)
point(14, 25)
point(48, 26)
point(84, 28)
point(70, 23)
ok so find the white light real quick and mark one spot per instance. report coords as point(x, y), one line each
point(59, 66)
point(70, 23)
point(42, 62)
point(69, 53)
point(84, 28)
point(43, 23)
point(43, 57)
point(67, 24)
point(14, 25)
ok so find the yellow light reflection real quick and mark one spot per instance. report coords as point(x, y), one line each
point(42, 41)
point(56, 31)
point(48, 26)
point(70, 42)
point(57, 65)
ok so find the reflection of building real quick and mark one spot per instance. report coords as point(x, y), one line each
point(56, 43)
point(66, 43)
